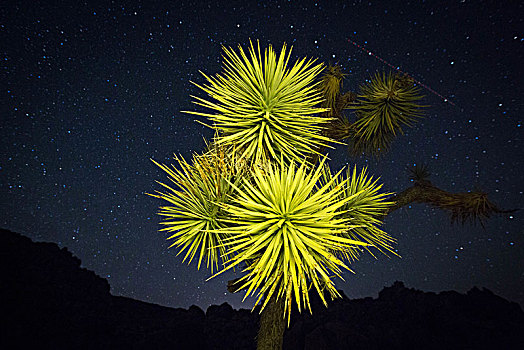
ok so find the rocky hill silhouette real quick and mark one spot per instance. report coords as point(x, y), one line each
point(48, 301)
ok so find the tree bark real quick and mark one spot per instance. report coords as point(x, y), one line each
point(272, 325)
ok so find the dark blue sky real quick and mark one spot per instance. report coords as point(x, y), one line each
point(90, 92)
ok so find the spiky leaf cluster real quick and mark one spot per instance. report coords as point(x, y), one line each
point(419, 172)
point(365, 208)
point(288, 232)
point(194, 210)
point(471, 206)
point(384, 106)
point(330, 86)
point(264, 108)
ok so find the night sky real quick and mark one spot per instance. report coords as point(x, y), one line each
point(89, 93)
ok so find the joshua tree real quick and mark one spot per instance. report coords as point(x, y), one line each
point(262, 196)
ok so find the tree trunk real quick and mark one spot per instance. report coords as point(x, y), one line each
point(272, 325)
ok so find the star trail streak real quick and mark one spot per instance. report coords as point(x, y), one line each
point(398, 70)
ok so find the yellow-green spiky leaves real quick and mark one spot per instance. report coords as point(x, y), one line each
point(265, 108)
point(330, 85)
point(364, 207)
point(383, 107)
point(194, 211)
point(287, 231)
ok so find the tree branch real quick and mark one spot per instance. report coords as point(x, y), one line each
point(463, 207)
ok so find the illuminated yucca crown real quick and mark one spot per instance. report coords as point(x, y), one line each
point(264, 108)
point(288, 221)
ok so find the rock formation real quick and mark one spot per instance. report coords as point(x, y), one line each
point(48, 301)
